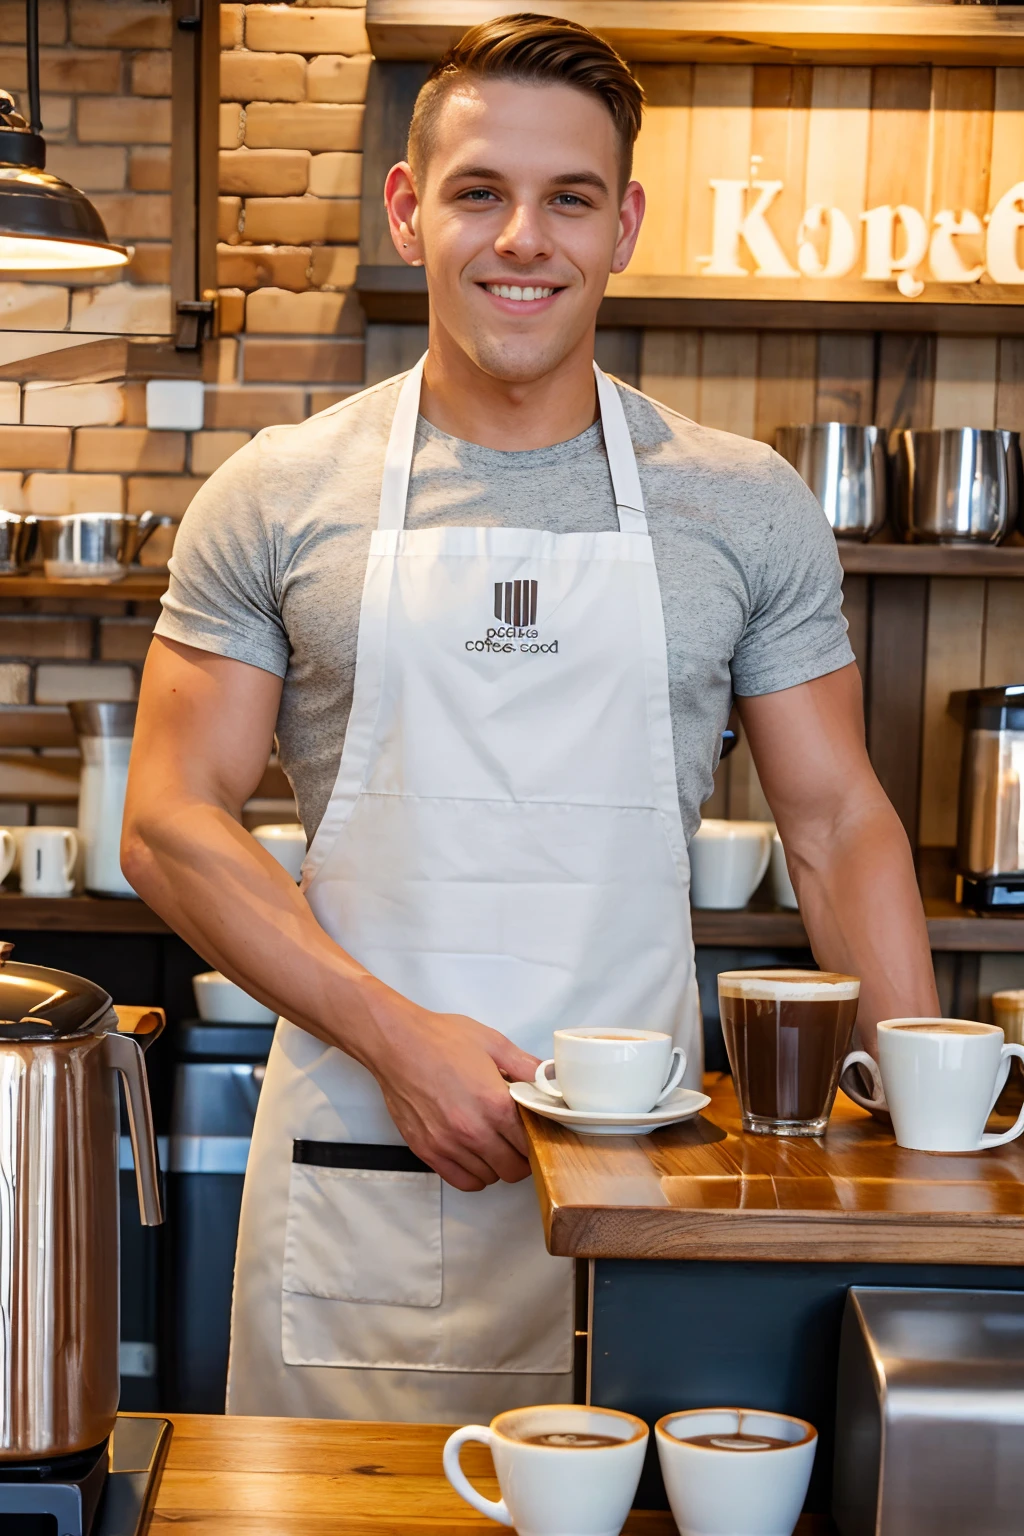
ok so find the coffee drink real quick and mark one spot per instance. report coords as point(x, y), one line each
point(940, 1029)
point(568, 1440)
point(612, 1072)
point(786, 1033)
point(737, 1442)
point(605, 1035)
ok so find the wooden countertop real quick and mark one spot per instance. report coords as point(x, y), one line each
point(706, 1190)
point(320, 1477)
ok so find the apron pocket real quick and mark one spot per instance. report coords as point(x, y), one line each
point(366, 1233)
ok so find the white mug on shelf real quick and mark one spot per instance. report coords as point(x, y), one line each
point(939, 1080)
point(728, 861)
point(8, 851)
point(48, 857)
point(782, 885)
point(552, 1481)
point(613, 1071)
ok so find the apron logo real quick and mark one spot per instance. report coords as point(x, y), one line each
point(515, 608)
point(515, 602)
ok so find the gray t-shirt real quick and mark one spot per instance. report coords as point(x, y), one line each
point(269, 562)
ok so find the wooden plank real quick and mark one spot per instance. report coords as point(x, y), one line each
point(720, 147)
point(951, 929)
point(745, 30)
point(664, 142)
point(703, 1190)
point(1010, 384)
point(845, 378)
point(779, 129)
point(1007, 133)
point(856, 612)
point(670, 369)
point(390, 97)
point(728, 381)
point(745, 796)
point(875, 559)
point(898, 157)
point(896, 691)
point(965, 381)
point(953, 660)
point(906, 371)
point(134, 587)
point(1004, 625)
point(785, 396)
point(392, 349)
point(76, 914)
point(837, 142)
point(617, 351)
point(963, 102)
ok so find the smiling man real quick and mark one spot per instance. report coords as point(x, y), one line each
point(497, 610)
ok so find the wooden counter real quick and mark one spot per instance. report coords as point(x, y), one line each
point(319, 1477)
point(704, 1190)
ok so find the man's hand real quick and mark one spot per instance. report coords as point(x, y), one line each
point(441, 1076)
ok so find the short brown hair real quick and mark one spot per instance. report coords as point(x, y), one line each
point(537, 50)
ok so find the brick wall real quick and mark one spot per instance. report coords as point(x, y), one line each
point(293, 82)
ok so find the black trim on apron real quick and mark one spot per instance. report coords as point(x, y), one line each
point(358, 1154)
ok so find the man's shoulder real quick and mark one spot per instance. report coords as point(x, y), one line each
point(667, 439)
point(360, 419)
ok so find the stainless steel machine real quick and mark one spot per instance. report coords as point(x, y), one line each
point(62, 1048)
point(930, 1414)
point(990, 839)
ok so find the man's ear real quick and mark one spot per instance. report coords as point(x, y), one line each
point(631, 216)
point(402, 203)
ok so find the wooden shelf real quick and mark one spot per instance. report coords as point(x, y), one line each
point(874, 559)
point(76, 914)
point(138, 586)
point(735, 31)
point(950, 928)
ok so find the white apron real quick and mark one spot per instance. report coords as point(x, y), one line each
point(503, 841)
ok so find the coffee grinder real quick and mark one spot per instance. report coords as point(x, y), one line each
point(990, 833)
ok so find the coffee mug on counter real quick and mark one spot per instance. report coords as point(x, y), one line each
point(939, 1080)
point(285, 842)
point(728, 861)
point(735, 1469)
point(563, 1470)
point(48, 856)
point(619, 1071)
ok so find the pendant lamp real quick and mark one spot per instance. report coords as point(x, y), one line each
point(46, 225)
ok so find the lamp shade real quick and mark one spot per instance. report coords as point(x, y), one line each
point(48, 225)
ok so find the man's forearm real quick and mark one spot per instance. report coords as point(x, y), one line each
point(216, 887)
point(861, 907)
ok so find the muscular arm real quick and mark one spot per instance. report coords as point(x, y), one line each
point(846, 849)
point(204, 734)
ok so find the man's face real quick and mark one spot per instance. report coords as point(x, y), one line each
point(518, 220)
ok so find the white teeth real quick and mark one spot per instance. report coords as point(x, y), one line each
point(522, 295)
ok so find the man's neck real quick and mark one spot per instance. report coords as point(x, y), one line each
point(461, 399)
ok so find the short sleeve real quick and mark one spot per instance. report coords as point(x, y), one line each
point(221, 596)
point(796, 630)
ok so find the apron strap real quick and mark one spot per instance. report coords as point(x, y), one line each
point(394, 489)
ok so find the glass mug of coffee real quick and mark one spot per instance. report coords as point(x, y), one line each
point(613, 1071)
point(786, 1033)
point(735, 1469)
point(939, 1080)
point(563, 1470)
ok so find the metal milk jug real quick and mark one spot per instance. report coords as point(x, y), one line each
point(104, 732)
point(61, 1050)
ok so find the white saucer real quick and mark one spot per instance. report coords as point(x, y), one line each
point(681, 1104)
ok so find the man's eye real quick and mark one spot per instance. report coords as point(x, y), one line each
point(569, 200)
point(477, 194)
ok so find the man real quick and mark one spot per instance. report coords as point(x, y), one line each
point(497, 614)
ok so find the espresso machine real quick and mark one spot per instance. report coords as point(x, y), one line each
point(69, 1464)
point(990, 833)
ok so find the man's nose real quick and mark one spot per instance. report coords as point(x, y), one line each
point(523, 236)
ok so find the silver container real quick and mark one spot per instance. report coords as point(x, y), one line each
point(930, 1414)
point(955, 485)
point(845, 468)
point(104, 732)
point(95, 546)
point(17, 541)
point(990, 825)
point(61, 1050)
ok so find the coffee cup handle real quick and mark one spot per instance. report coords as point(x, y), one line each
point(863, 1059)
point(10, 852)
point(993, 1140)
point(675, 1074)
point(70, 855)
point(543, 1082)
point(494, 1509)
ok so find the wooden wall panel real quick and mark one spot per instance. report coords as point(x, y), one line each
point(906, 374)
point(856, 611)
point(898, 157)
point(664, 140)
point(899, 607)
point(1004, 626)
point(728, 381)
point(781, 118)
point(720, 139)
point(670, 369)
point(786, 373)
point(953, 660)
point(965, 381)
point(837, 140)
point(1010, 384)
point(962, 101)
point(1007, 132)
point(845, 384)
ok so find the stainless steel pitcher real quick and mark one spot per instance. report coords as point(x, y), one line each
point(955, 485)
point(61, 1049)
point(95, 545)
point(845, 468)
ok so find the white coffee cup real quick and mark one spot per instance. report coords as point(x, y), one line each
point(285, 842)
point(48, 857)
point(782, 885)
point(717, 1490)
point(728, 860)
point(617, 1071)
point(8, 851)
point(16, 834)
point(555, 1490)
point(939, 1079)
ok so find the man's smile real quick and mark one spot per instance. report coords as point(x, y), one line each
point(526, 298)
